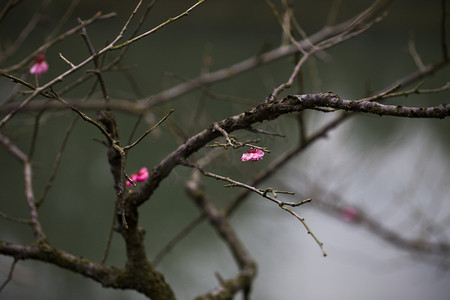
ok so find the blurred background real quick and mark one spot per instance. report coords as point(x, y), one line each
point(394, 171)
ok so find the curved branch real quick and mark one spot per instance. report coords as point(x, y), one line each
point(143, 279)
point(270, 111)
point(243, 66)
point(247, 265)
point(104, 274)
point(330, 100)
point(97, 16)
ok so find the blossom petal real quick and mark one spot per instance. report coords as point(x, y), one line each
point(252, 154)
point(39, 68)
point(258, 154)
point(142, 175)
point(349, 214)
point(247, 156)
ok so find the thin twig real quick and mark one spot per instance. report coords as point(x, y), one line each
point(125, 27)
point(25, 32)
point(284, 26)
point(8, 7)
point(242, 66)
point(283, 205)
point(246, 264)
point(85, 117)
point(61, 151)
point(13, 149)
point(333, 12)
point(35, 133)
point(207, 91)
point(56, 163)
point(232, 182)
point(29, 193)
point(132, 40)
point(97, 72)
point(66, 60)
point(261, 131)
point(415, 90)
point(110, 236)
point(413, 52)
point(10, 274)
point(351, 32)
point(13, 219)
point(282, 160)
point(67, 13)
point(444, 13)
point(119, 57)
point(176, 239)
point(270, 170)
point(97, 16)
point(306, 227)
point(232, 142)
point(148, 131)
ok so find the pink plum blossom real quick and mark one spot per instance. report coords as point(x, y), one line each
point(40, 66)
point(140, 176)
point(349, 214)
point(252, 154)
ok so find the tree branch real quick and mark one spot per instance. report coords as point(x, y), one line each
point(270, 111)
point(247, 265)
point(331, 100)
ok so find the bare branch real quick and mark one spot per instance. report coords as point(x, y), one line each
point(333, 101)
point(66, 60)
point(148, 131)
point(261, 192)
point(8, 7)
point(10, 274)
point(256, 130)
point(241, 67)
point(444, 13)
point(414, 54)
point(29, 193)
point(347, 34)
point(25, 32)
point(283, 205)
point(247, 265)
point(281, 160)
point(271, 111)
point(16, 220)
point(97, 16)
point(185, 13)
point(13, 149)
point(139, 273)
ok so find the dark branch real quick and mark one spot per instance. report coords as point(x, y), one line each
point(331, 100)
point(270, 111)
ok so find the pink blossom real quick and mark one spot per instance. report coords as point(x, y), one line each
point(349, 214)
point(252, 154)
point(140, 176)
point(40, 66)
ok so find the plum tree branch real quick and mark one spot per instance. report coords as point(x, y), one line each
point(247, 265)
point(331, 100)
point(264, 193)
point(145, 280)
point(168, 21)
point(246, 65)
point(97, 16)
point(139, 273)
point(270, 111)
